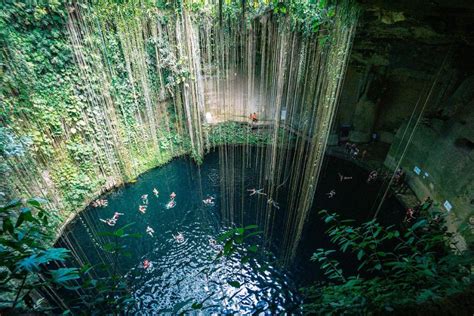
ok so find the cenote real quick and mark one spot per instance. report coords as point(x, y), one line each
point(182, 273)
point(211, 157)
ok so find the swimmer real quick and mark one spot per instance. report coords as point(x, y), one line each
point(150, 231)
point(343, 178)
point(117, 215)
point(209, 201)
point(273, 203)
point(179, 238)
point(255, 191)
point(109, 221)
point(172, 195)
point(156, 192)
point(145, 198)
point(212, 242)
point(171, 204)
point(372, 176)
point(146, 264)
point(331, 194)
point(142, 209)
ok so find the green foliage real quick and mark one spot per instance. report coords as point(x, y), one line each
point(399, 268)
point(106, 292)
point(236, 133)
point(25, 255)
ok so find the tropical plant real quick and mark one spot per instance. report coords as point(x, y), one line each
point(397, 267)
point(26, 258)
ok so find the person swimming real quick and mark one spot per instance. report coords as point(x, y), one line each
point(179, 238)
point(109, 221)
point(142, 209)
point(273, 203)
point(331, 193)
point(150, 231)
point(212, 242)
point(372, 176)
point(343, 178)
point(146, 264)
point(145, 198)
point(255, 191)
point(117, 215)
point(171, 204)
point(209, 201)
point(172, 195)
point(156, 192)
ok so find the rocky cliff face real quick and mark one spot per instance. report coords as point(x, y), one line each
point(411, 67)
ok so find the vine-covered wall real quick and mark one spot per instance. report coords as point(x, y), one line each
point(95, 93)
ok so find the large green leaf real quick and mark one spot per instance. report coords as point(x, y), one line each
point(63, 275)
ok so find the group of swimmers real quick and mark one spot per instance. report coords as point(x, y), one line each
point(100, 203)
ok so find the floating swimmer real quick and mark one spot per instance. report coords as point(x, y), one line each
point(117, 215)
point(331, 194)
point(145, 198)
point(172, 195)
point(146, 264)
point(150, 231)
point(273, 203)
point(179, 238)
point(142, 209)
point(343, 178)
point(112, 221)
point(209, 201)
point(372, 176)
point(109, 221)
point(255, 191)
point(171, 204)
point(156, 192)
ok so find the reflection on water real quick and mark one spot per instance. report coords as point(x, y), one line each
point(181, 274)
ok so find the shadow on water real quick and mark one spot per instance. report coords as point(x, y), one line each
point(187, 272)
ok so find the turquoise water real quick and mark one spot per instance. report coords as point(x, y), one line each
point(184, 273)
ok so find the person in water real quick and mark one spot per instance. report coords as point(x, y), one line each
point(179, 237)
point(209, 201)
point(273, 203)
point(331, 194)
point(117, 215)
point(343, 178)
point(372, 176)
point(150, 231)
point(171, 204)
point(109, 221)
point(156, 192)
point(145, 198)
point(255, 191)
point(142, 209)
point(172, 195)
point(146, 264)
